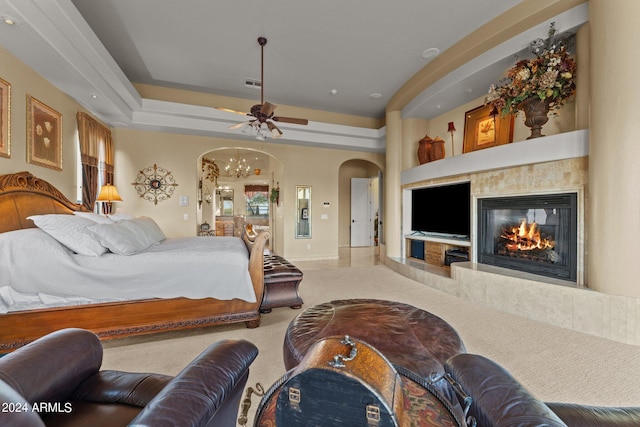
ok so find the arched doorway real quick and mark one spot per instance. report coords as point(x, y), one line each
point(240, 194)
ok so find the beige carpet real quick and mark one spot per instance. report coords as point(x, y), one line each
point(554, 363)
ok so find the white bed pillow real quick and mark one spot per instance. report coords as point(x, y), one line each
point(94, 217)
point(128, 237)
point(119, 217)
point(71, 231)
point(150, 227)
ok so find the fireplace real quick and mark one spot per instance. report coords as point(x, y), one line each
point(534, 233)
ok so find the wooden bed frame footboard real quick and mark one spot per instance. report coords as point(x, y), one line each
point(22, 195)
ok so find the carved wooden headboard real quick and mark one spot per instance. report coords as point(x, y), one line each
point(23, 195)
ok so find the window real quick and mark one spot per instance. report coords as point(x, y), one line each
point(257, 200)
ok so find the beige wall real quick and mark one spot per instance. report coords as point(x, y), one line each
point(563, 121)
point(23, 81)
point(319, 168)
point(136, 150)
point(614, 151)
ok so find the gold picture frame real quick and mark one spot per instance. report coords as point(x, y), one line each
point(483, 129)
point(5, 119)
point(44, 135)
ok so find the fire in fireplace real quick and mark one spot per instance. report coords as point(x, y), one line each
point(536, 234)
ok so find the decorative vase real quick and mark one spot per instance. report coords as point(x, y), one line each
point(437, 149)
point(535, 115)
point(424, 150)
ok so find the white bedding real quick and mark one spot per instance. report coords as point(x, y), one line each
point(35, 265)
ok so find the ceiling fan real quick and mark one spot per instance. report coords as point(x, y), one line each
point(262, 124)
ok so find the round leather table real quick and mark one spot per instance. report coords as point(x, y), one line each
point(408, 336)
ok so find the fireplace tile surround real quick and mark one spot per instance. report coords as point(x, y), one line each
point(533, 233)
point(553, 164)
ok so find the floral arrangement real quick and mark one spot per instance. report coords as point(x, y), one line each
point(550, 76)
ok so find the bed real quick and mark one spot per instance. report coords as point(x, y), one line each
point(23, 195)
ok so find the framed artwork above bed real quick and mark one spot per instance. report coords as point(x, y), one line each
point(44, 135)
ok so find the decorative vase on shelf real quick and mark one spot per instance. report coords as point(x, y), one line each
point(424, 150)
point(437, 149)
point(535, 115)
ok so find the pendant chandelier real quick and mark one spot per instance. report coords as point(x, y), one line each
point(237, 167)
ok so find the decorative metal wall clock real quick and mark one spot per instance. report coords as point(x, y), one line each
point(155, 184)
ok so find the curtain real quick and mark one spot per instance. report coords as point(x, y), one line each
point(251, 190)
point(96, 156)
point(107, 164)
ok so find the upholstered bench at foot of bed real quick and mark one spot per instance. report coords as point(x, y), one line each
point(281, 282)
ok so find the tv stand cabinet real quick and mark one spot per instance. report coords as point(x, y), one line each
point(432, 249)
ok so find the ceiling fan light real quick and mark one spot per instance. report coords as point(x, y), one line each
point(247, 128)
point(264, 132)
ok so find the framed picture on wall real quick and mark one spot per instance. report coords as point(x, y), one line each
point(44, 135)
point(483, 129)
point(5, 119)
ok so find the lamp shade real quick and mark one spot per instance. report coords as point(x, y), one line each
point(108, 193)
point(452, 127)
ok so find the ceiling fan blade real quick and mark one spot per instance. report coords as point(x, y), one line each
point(268, 109)
point(275, 130)
point(239, 125)
point(229, 110)
point(291, 120)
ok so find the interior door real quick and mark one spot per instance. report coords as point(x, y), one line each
point(361, 224)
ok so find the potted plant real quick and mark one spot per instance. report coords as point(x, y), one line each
point(537, 86)
point(376, 222)
point(274, 197)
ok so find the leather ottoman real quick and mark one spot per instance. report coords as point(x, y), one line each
point(408, 336)
point(281, 282)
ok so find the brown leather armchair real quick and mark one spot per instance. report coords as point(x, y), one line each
point(56, 381)
point(498, 400)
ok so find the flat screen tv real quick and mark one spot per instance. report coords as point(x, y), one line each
point(442, 210)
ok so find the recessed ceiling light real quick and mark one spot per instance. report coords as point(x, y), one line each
point(430, 53)
point(94, 96)
point(9, 20)
point(333, 91)
point(375, 95)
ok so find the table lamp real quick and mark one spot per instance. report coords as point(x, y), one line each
point(451, 129)
point(108, 194)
